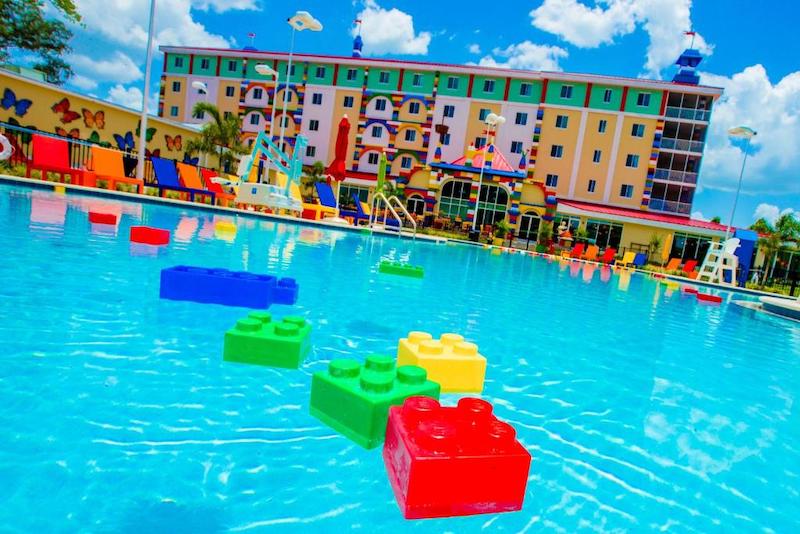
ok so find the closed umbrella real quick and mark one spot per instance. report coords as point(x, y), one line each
point(336, 169)
point(666, 248)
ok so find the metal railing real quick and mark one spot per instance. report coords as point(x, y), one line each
point(675, 176)
point(670, 206)
point(689, 114)
point(373, 218)
point(682, 144)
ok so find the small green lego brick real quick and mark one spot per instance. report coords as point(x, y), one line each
point(354, 400)
point(400, 269)
point(257, 339)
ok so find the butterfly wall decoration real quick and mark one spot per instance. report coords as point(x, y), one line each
point(174, 143)
point(72, 134)
point(190, 160)
point(96, 119)
point(154, 154)
point(148, 135)
point(20, 105)
point(125, 142)
point(67, 115)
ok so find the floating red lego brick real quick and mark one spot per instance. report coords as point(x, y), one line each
point(453, 461)
point(711, 299)
point(149, 236)
point(689, 290)
point(102, 218)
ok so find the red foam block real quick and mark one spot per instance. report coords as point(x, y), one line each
point(102, 218)
point(149, 235)
point(689, 290)
point(453, 461)
point(705, 297)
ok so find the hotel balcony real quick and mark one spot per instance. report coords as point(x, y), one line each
point(669, 175)
point(670, 206)
point(684, 145)
point(688, 114)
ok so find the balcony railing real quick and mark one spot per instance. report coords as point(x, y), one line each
point(682, 144)
point(689, 114)
point(670, 175)
point(670, 206)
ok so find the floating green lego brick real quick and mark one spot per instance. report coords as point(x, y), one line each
point(354, 400)
point(400, 269)
point(259, 340)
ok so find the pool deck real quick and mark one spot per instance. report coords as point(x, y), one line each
point(136, 197)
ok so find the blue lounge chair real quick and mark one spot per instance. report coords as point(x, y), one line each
point(325, 194)
point(640, 259)
point(167, 178)
point(359, 214)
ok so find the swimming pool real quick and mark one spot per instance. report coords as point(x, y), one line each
point(642, 410)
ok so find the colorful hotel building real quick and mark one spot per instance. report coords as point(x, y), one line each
point(618, 156)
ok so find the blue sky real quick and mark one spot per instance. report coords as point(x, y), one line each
point(750, 52)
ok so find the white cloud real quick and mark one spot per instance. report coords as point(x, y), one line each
point(589, 27)
point(82, 82)
point(119, 68)
point(698, 216)
point(474, 48)
point(773, 110)
point(771, 212)
point(131, 97)
point(526, 55)
point(221, 6)
point(390, 31)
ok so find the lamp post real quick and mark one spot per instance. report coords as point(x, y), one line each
point(202, 88)
point(146, 93)
point(302, 20)
point(265, 70)
point(493, 121)
point(739, 132)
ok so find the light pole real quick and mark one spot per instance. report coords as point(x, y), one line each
point(146, 93)
point(493, 121)
point(302, 20)
point(265, 70)
point(739, 132)
point(202, 89)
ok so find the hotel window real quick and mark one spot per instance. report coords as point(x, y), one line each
point(521, 119)
point(173, 111)
point(377, 132)
point(566, 91)
point(232, 65)
point(372, 158)
point(551, 180)
point(316, 99)
point(449, 111)
point(454, 200)
point(380, 104)
point(348, 102)
point(311, 151)
point(230, 91)
point(405, 162)
point(351, 74)
point(204, 64)
point(602, 125)
point(452, 82)
point(313, 125)
point(637, 130)
point(632, 161)
point(227, 115)
point(383, 77)
point(525, 89)
point(413, 108)
point(178, 62)
point(411, 135)
point(607, 96)
point(604, 234)
point(176, 87)
point(255, 119)
point(258, 93)
point(446, 139)
point(488, 86)
point(643, 99)
point(284, 123)
point(201, 115)
point(289, 97)
point(291, 71)
point(483, 113)
point(596, 156)
point(416, 80)
point(556, 151)
point(516, 147)
point(480, 142)
point(592, 186)
point(562, 121)
point(320, 72)
point(626, 191)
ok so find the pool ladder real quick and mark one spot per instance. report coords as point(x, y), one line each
point(373, 218)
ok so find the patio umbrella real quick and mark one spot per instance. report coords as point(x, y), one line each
point(666, 248)
point(336, 169)
point(381, 173)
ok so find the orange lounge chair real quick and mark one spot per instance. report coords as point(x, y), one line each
point(577, 251)
point(51, 154)
point(224, 198)
point(689, 266)
point(107, 165)
point(608, 255)
point(190, 179)
point(591, 253)
point(674, 264)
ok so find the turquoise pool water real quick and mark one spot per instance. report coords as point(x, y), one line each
point(643, 411)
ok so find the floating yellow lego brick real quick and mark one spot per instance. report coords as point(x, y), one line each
point(59, 189)
point(450, 361)
point(225, 226)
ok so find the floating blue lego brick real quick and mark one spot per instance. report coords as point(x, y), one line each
point(221, 286)
point(285, 291)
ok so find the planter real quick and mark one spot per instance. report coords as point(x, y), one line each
point(541, 249)
point(498, 241)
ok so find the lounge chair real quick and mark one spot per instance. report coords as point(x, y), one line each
point(51, 154)
point(608, 255)
point(577, 251)
point(107, 165)
point(223, 198)
point(689, 266)
point(640, 260)
point(626, 260)
point(190, 179)
point(359, 214)
point(167, 179)
point(591, 253)
point(325, 194)
point(674, 264)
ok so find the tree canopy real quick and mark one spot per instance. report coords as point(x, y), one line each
point(762, 226)
point(220, 136)
point(26, 27)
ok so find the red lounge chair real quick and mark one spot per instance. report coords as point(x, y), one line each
point(689, 266)
point(577, 251)
point(52, 155)
point(608, 255)
point(223, 198)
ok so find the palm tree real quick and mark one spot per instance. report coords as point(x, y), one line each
point(770, 246)
point(313, 174)
point(762, 226)
point(787, 227)
point(220, 136)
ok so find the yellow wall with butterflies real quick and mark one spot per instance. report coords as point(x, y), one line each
point(49, 108)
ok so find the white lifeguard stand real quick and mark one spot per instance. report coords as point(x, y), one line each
point(720, 258)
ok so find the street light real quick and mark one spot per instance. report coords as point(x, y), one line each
point(493, 121)
point(146, 93)
point(739, 132)
point(265, 70)
point(302, 20)
point(201, 87)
